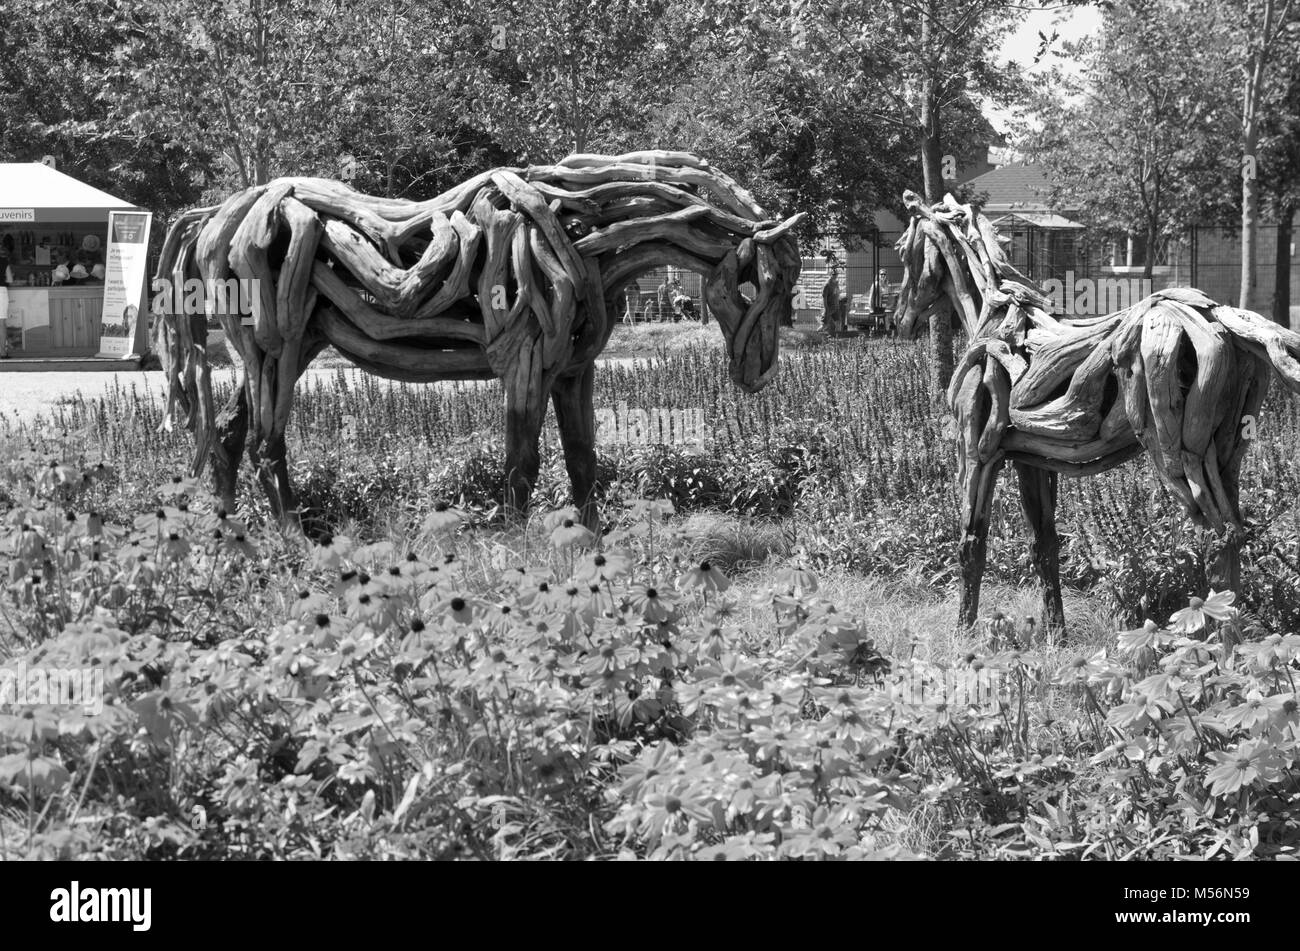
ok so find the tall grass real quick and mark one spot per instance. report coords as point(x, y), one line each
point(840, 455)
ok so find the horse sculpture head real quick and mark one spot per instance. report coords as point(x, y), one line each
point(952, 262)
point(637, 212)
point(921, 294)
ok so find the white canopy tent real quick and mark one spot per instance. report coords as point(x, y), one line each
point(42, 194)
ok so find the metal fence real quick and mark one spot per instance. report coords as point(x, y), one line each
point(1204, 257)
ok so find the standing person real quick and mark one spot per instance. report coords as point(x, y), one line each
point(6, 278)
point(877, 301)
point(834, 304)
point(676, 296)
point(631, 302)
point(661, 298)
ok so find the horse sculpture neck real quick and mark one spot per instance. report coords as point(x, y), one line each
point(956, 247)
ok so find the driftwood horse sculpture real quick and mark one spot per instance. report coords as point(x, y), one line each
point(1174, 375)
point(513, 274)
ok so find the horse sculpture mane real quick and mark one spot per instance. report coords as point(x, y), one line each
point(1173, 375)
point(512, 274)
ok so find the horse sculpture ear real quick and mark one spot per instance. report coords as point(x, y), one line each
point(912, 202)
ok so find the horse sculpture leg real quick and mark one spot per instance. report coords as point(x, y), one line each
point(1038, 499)
point(576, 417)
point(267, 449)
point(980, 479)
point(228, 448)
point(525, 411)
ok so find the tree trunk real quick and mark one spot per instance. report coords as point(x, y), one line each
point(1249, 216)
point(1149, 259)
point(1282, 262)
point(1249, 139)
point(941, 355)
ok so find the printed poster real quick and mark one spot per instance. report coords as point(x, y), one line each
point(124, 326)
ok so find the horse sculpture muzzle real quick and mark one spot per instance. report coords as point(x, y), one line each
point(772, 265)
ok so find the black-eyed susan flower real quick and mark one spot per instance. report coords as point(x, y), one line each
point(1252, 760)
point(604, 565)
point(706, 577)
point(458, 609)
point(328, 555)
point(569, 533)
point(1218, 605)
point(653, 603)
point(797, 578)
point(443, 520)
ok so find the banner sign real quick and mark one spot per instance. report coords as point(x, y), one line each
point(124, 325)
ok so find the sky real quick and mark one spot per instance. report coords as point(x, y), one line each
point(1072, 23)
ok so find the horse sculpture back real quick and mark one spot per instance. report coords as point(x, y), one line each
point(512, 274)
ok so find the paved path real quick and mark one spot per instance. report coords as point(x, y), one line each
point(27, 396)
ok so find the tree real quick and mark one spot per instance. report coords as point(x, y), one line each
point(579, 75)
point(763, 101)
point(940, 55)
point(377, 92)
point(1279, 164)
point(1134, 144)
point(1265, 25)
point(59, 62)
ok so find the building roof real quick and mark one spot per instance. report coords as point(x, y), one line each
point(52, 195)
point(1047, 220)
point(1015, 188)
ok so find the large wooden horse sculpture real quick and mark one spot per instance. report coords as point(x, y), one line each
point(513, 274)
point(1174, 374)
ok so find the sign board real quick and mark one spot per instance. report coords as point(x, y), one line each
point(124, 323)
point(17, 214)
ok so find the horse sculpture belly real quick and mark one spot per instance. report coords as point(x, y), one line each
point(511, 275)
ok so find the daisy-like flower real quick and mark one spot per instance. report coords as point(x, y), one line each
point(174, 546)
point(535, 591)
point(653, 509)
point(157, 520)
point(1240, 767)
point(1256, 711)
point(797, 578)
point(180, 485)
point(705, 576)
point(610, 655)
point(325, 630)
point(568, 532)
point(714, 644)
point(1193, 617)
point(458, 608)
point(652, 603)
point(604, 566)
point(502, 616)
point(738, 848)
point(443, 520)
point(823, 839)
point(669, 812)
point(1148, 635)
point(329, 554)
point(240, 786)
